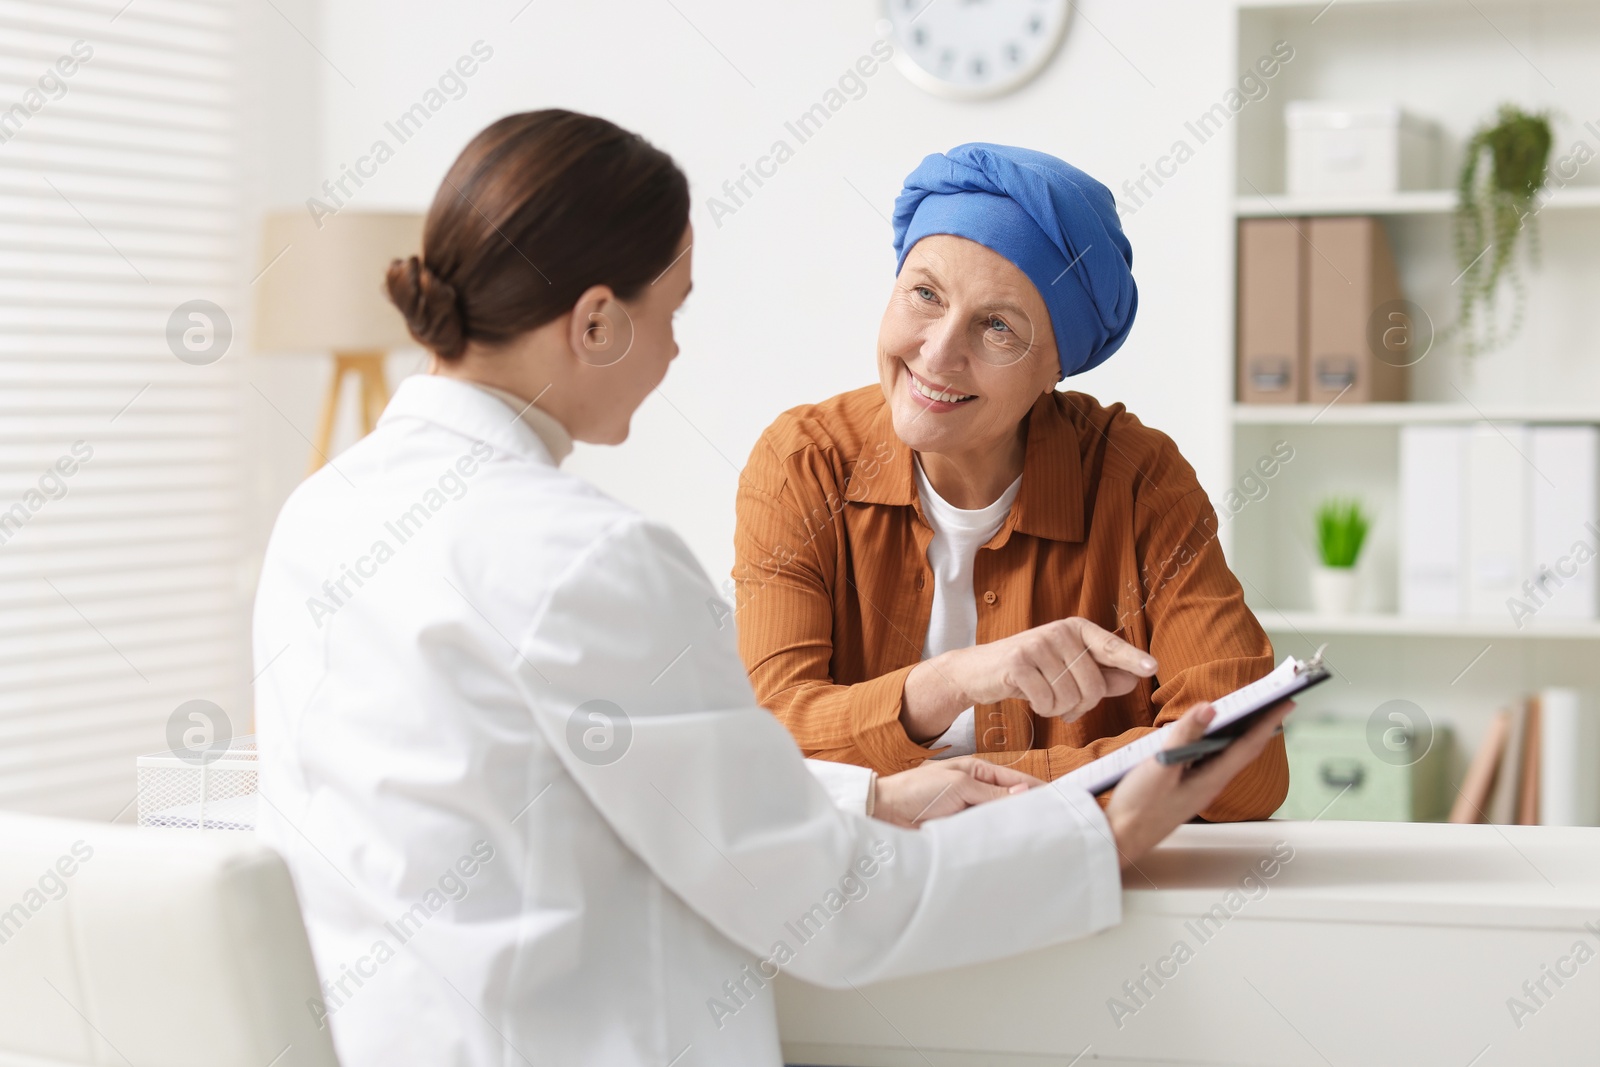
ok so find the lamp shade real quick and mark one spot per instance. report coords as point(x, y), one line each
point(321, 288)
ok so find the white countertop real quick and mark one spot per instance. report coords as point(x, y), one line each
point(1416, 873)
point(1369, 944)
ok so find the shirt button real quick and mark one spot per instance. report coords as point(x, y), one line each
point(921, 581)
point(990, 597)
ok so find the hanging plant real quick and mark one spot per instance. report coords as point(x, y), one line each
point(1492, 209)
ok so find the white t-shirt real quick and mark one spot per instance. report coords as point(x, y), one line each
point(957, 536)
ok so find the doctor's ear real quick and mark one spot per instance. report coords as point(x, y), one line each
point(601, 330)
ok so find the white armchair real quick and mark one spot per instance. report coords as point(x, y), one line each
point(165, 948)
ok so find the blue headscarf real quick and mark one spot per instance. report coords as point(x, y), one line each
point(1057, 224)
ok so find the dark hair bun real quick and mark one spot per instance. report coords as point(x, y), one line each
point(431, 306)
point(530, 191)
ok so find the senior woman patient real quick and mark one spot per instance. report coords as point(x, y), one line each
point(961, 559)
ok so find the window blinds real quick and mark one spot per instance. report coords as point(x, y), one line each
point(118, 496)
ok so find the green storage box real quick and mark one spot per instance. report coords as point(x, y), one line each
point(1335, 773)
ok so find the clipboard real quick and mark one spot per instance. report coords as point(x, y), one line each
point(1234, 715)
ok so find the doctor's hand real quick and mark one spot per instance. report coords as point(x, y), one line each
point(1151, 800)
point(1062, 669)
point(938, 788)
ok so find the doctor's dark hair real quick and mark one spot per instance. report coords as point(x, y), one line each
point(537, 208)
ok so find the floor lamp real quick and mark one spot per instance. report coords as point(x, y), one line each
point(320, 289)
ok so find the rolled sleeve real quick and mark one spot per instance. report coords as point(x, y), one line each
point(875, 720)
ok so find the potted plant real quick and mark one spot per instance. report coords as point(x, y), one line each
point(1341, 531)
point(1494, 204)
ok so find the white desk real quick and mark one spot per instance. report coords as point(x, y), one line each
point(1377, 943)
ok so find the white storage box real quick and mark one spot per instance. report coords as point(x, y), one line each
point(1340, 149)
point(218, 794)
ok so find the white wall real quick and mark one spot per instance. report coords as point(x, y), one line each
point(789, 289)
point(278, 95)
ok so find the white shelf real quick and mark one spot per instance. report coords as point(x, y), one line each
point(1315, 6)
point(1414, 202)
point(1306, 622)
point(1312, 4)
point(1401, 414)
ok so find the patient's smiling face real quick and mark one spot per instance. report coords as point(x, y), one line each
point(966, 323)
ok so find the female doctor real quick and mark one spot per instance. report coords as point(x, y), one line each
point(508, 748)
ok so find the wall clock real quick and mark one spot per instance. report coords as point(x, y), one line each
point(970, 49)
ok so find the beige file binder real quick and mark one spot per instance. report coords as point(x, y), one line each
point(1272, 334)
point(1350, 276)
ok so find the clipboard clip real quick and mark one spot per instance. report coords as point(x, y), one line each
point(1312, 664)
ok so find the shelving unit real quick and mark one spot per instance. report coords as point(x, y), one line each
point(1404, 414)
point(1454, 64)
point(1379, 625)
point(1413, 202)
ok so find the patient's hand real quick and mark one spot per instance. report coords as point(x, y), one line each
point(1062, 669)
point(937, 788)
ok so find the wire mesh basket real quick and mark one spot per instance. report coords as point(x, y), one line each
point(218, 793)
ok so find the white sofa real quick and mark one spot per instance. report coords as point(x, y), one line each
point(155, 948)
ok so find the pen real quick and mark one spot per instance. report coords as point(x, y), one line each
point(1193, 751)
point(1167, 757)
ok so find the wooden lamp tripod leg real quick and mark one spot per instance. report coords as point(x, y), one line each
point(374, 390)
point(373, 397)
point(323, 442)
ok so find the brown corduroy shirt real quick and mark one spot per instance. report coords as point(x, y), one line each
point(834, 593)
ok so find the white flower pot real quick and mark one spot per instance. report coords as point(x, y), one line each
point(1333, 590)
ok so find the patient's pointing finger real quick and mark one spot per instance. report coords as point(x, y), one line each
point(1109, 650)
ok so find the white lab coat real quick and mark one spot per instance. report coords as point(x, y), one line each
point(484, 880)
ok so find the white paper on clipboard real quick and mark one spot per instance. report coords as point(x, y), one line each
point(1288, 678)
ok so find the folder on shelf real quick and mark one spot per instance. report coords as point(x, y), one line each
point(1473, 799)
point(1532, 772)
point(1497, 517)
point(1565, 483)
point(1507, 792)
point(1271, 354)
point(1433, 538)
point(1350, 277)
point(1569, 759)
